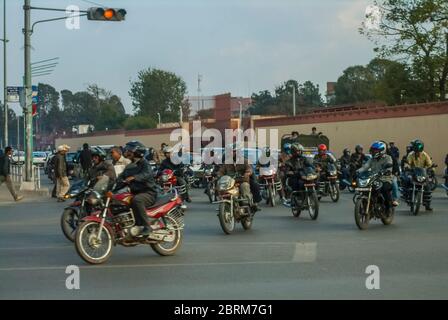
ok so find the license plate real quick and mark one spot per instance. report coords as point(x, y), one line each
point(362, 189)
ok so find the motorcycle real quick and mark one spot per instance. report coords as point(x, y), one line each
point(168, 183)
point(115, 224)
point(415, 196)
point(232, 207)
point(306, 199)
point(432, 179)
point(77, 210)
point(269, 187)
point(370, 203)
point(210, 185)
point(329, 186)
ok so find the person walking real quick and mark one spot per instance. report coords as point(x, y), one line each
point(85, 159)
point(5, 173)
point(60, 171)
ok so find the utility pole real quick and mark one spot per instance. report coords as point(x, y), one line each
point(5, 65)
point(199, 91)
point(294, 100)
point(181, 115)
point(28, 110)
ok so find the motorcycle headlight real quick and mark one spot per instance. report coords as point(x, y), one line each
point(94, 199)
point(208, 172)
point(421, 179)
point(164, 178)
point(309, 177)
point(225, 183)
point(363, 182)
point(333, 172)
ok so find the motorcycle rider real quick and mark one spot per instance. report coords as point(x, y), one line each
point(404, 160)
point(395, 173)
point(322, 159)
point(244, 175)
point(295, 165)
point(102, 174)
point(167, 163)
point(344, 161)
point(265, 161)
point(357, 159)
point(139, 176)
point(381, 162)
point(418, 158)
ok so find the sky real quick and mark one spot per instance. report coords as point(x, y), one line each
point(238, 46)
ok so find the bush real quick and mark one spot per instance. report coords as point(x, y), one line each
point(139, 122)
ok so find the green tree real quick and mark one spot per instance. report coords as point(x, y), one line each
point(417, 31)
point(139, 122)
point(157, 91)
point(49, 114)
point(355, 85)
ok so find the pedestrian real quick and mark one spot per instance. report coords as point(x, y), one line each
point(161, 153)
point(119, 162)
point(5, 173)
point(395, 152)
point(60, 170)
point(85, 159)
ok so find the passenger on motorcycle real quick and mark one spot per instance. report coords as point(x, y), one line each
point(266, 161)
point(168, 163)
point(357, 160)
point(418, 158)
point(139, 176)
point(381, 162)
point(395, 174)
point(245, 176)
point(344, 161)
point(322, 159)
point(102, 174)
point(295, 165)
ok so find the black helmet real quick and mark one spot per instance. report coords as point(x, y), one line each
point(136, 147)
point(417, 145)
point(98, 152)
point(346, 151)
point(359, 148)
point(296, 148)
point(85, 146)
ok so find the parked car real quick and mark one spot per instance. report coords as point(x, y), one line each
point(39, 158)
point(18, 157)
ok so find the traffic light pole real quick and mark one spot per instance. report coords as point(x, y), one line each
point(5, 65)
point(28, 108)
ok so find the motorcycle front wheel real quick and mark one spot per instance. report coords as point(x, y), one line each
point(226, 218)
point(362, 218)
point(334, 192)
point(247, 223)
point(90, 248)
point(69, 223)
point(387, 220)
point(313, 205)
point(168, 248)
point(416, 203)
point(271, 196)
point(295, 206)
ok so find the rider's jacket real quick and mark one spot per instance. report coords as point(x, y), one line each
point(345, 161)
point(423, 160)
point(323, 160)
point(236, 170)
point(377, 165)
point(102, 169)
point(144, 178)
point(297, 164)
point(168, 164)
point(357, 160)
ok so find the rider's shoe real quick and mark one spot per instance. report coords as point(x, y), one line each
point(146, 231)
point(286, 202)
point(428, 208)
point(395, 203)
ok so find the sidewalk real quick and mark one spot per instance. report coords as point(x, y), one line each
point(5, 196)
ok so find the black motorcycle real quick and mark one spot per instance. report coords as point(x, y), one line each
point(414, 194)
point(77, 210)
point(329, 184)
point(306, 199)
point(370, 202)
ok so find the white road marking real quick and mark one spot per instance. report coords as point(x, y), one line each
point(305, 252)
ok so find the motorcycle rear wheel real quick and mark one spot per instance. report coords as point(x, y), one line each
point(271, 196)
point(69, 223)
point(295, 207)
point(85, 243)
point(226, 218)
point(160, 247)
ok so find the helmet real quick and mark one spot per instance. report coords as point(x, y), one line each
point(99, 153)
point(297, 148)
point(378, 149)
point(287, 148)
point(267, 151)
point(136, 147)
point(417, 145)
point(346, 151)
point(322, 147)
point(359, 148)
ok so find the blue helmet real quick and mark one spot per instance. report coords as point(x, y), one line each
point(378, 149)
point(287, 148)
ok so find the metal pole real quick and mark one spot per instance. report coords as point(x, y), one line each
point(160, 118)
point(241, 114)
point(18, 133)
point(5, 94)
point(181, 115)
point(294, 100)
point(28, 95)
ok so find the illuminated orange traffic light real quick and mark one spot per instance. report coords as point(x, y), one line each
point(106, 14)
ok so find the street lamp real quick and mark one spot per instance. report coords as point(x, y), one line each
point(160, 118)
point(293, 99)
point(5, 93)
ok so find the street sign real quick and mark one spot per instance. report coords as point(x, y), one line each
point(13, 94)
point(35, 96)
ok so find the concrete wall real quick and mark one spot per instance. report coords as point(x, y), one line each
point(432, 129)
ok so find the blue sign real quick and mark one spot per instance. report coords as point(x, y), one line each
point(35, 95)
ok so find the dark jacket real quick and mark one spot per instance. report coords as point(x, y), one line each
point(357, 160)
point(103, 169)
point(60, 166)
point(167, 164)
point(85, 159)
point(144, 178)
point(297, 164)
point(5, 165)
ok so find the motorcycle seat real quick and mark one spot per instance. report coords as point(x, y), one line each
point(161, 201)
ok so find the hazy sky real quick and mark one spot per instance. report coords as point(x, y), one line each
point(239, 46)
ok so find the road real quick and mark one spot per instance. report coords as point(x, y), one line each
point(282, 257)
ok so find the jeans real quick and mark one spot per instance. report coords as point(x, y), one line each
point(395, 191)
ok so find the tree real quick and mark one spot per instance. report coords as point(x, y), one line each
point(309, 95)
point(355, 85)
point(139, 122)
point(157, 91)
point(261, 102)
point(112, 114)
point(416, 31)
point(48, 111)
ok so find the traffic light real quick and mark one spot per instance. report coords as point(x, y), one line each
point(106, 14)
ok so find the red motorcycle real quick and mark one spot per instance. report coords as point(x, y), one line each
point(168, 183)
point(115, 224)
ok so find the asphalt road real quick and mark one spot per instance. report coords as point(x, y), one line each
point(282, 257)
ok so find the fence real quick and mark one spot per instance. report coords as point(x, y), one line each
point(17, 175)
